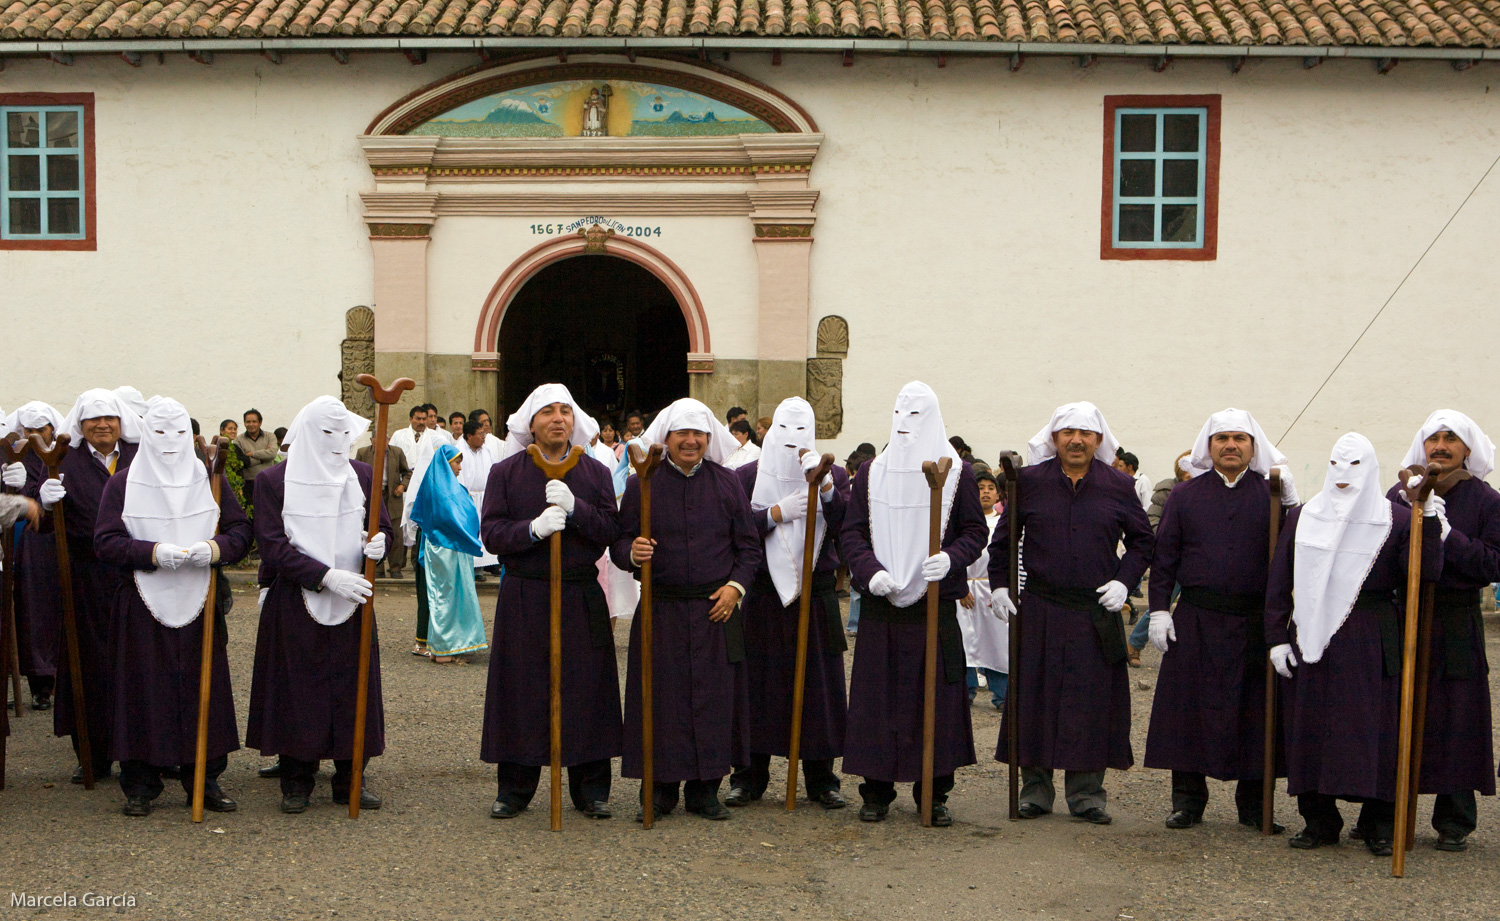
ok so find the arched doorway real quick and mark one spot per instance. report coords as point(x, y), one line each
point(605, 326)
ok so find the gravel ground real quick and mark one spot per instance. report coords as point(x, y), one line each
point(433, 852)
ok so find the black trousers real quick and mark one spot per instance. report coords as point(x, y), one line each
point(883, 792)
point(41, 684)
point(1321, 812)
point(817, 776)
point(1455, 813)
point(298, 776)
point(1190, 794)
point(102, 761)
point(695, 793)
point(424, 614)
point(137, 778)
point(587, 782)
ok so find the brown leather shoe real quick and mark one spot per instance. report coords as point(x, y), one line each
point(1133, 656)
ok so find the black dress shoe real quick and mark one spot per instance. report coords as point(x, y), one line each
point(1452, 842)
point(137, 806)
point(367, 799)
point(272, 771)
point(1380, 847)
point(1305, 840)
point(294, 803)
point(98, 775)
point(1276, 827)
point(1358, 833)
point(739, 796)
point(657, 814)
point(831, 799)
point(41, 701)
point(1183, 819)
point(941, 817)
point(1031, 811)
point(214, 800)
point(713, 811)
point(1095, 816)
point(598, 810)
point(873, 812)
point(503, 810)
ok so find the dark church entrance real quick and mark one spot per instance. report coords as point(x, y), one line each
point(605, 327)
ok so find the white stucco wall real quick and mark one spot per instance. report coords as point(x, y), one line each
point(958, 232)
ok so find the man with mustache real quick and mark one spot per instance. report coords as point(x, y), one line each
point(1208, 716)
point(1457, 757)
point(1074, 509)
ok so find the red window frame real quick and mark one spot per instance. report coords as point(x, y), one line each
point(1209, 251)
point(91, 230)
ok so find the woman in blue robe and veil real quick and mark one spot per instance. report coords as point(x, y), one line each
point(450, 541)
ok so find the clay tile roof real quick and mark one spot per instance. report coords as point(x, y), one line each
point(1381, 23)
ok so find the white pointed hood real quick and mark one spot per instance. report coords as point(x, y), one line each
point(324, 507)
point(778, 475)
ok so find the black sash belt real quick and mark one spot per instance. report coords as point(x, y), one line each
point(734, 627)
point(950, 638)
point(601, 633)
point(1252, 607)
point(825, 590)
point(1460, 612)
point(1107, 625)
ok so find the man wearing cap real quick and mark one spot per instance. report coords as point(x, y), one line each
point(704, 550)
point(1457, 753)
point(1075, 508)
point(1208, 716)
point(522, 510)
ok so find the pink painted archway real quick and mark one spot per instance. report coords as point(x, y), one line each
point(487, 332)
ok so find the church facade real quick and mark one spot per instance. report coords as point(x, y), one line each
point(1162, 209)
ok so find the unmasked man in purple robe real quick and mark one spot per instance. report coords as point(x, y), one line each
point(777, 486)
point(1458, 755)
point(310, 517)
point(1208, 715)
point(1343, 558)
point(1075, 508)
point(159, 523)
point(886, 541)
point(522, 510)
point(37, 605)
point(704, 549)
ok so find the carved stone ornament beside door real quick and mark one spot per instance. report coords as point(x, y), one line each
point(358, 358)
point(825, 376)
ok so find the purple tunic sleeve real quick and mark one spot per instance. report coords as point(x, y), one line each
point(278, 558)
point(1472, 551)
point(859, 554)
point(762, 518)
point(1139, 540)
point(594, 515)
point(112, 542)
point(1279, 583)
point(235, 533)
point(746, 539)
point(1166, 555)
point(514, 494)
point(502, 529)
point(630, 525)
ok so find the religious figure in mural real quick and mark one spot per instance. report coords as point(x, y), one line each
point(595, 109)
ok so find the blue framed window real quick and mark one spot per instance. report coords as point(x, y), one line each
point(43, 193)
point(1161, 176)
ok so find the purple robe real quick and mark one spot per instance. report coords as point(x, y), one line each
point(887, 681)
point(38, 604)
point(1339, 715)
point(1208, 716)
point(771, 645)
point(1075, 699)
point(95, 584)
point(1457, 743)
point(704, 536)
point(155, 669)
point(517, 700)
point(302, 693)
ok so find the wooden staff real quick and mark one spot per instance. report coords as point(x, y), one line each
point(1268, 765)
point(1416, 493)
point(556, 471)
point(804, 611)
point(53, 458)
point(1013, 633)
point(644, 462)
point(384, 398)
point(937, 475)
point(216, 452)
point(12, 449)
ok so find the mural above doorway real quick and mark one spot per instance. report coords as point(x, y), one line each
point(593, 108)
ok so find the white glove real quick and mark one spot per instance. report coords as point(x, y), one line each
point(549, 522)
point(793, 506)
point(200, 554)
point(1288, 488)
point(349, 586)
point(1283, 660)
point(1162, 630)
point(1001, 604)
point(1113, 595)
point(935, 567)
point(1437, 507)
point(52, 492)
point(810, 462)
point(882, 584)
point(170, 556)
point(14, 475)
point(560, 495)
point(375, 547)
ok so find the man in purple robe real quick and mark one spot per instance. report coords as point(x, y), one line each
point(776, 485)
point(1208, 715)
point(37, 605)
point(103, 432)
point(1458, 756)
point(522, 509)
point(886, 542)
point(1344, 555)
point(1075, 697)
point(704, 549)
point(159, 522)
point(310, 516)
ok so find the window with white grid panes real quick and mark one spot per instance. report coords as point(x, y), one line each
point(43, 190)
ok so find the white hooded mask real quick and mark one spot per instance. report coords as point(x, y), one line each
point(324, 507)
point(1481, 460)
point(690, 414)
point(1339, 535)
point(778, 475)
point(167, 500)
point(1082, 416)
point(92, 404)
point(900, 499)
point(1233, 420)
point(518, 426)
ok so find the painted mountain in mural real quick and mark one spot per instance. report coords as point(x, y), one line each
point(514, 112)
